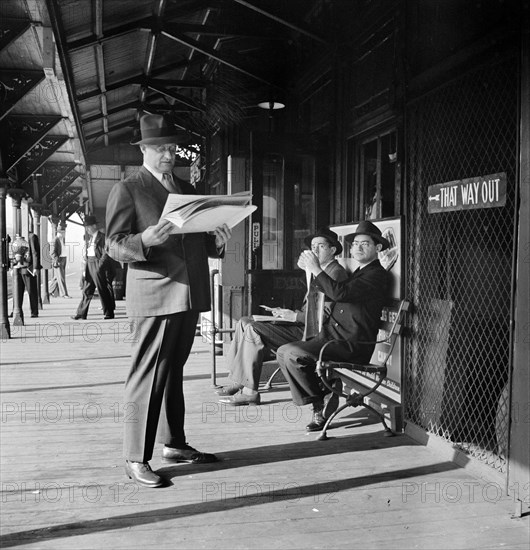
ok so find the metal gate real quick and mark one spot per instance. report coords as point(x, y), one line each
point(460, 264)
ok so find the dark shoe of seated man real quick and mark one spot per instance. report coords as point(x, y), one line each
point(187, 454)
point(324, 408)
point(141, 473)
point(331, 399)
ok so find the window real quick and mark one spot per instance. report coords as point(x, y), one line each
point(288, 208)
point(377, 195)
point(273, 202)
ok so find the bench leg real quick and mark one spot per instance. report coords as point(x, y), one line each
point(323, 436)
point(268, 384)
point(388, 431)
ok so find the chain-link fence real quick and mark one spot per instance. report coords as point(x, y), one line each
point(460, 264)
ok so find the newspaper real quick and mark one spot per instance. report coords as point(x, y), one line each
point(197, 213)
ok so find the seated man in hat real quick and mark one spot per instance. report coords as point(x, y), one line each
point(254, 340)
point(354, 318)
point(95, 265)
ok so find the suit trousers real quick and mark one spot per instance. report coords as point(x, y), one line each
point(304, 382)
point(28, 282)
point(59, 273)
point(160, 347)
point(251, 345)
point(96, 278)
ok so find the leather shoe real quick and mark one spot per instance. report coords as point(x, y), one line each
point(228, 390)
point(108, 317)
point(241, 398)
point(187, 454)
point(141, 473)
point(318, 422)
point(331, 399)
point(77, 317)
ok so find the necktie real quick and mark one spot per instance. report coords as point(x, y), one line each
point(167, 182)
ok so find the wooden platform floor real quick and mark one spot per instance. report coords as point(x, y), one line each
point(63, 484)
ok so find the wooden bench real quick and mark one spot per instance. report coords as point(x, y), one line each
point(327, 371)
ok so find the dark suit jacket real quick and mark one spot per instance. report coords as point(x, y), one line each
point(55, 251)
point(33, 255)
point(359, 300)
point(164, 279)
point(100, 250)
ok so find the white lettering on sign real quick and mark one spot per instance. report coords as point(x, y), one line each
point(255, 235)
point(448, 196)
point(479, 192)
point(490, 190)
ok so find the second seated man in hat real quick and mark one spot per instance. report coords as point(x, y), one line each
point(96, 262)
point(255, 340)
point(354, 318)
point(167, 286)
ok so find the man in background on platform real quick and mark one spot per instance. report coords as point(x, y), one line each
point(95, 265)
point(59, 255)
point(27, 275)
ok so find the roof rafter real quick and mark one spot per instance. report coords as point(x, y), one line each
point(157, 87)
point(147, 24)
point(282, 21)
point(213, 54)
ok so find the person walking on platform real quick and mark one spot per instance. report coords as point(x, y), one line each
point(95, 272)
point(167, 286)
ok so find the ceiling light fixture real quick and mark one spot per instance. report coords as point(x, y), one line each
point(271, 105)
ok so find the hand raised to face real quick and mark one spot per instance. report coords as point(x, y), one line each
point(309, 261)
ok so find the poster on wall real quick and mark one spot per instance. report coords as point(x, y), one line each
point(392, 260)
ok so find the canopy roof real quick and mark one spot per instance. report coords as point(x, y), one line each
point(78, 74)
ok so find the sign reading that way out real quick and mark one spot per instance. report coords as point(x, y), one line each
point(471, 193)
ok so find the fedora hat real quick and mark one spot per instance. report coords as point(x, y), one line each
point(156, 130)
point(327, 234)
point(368, 228)
point(90, 220)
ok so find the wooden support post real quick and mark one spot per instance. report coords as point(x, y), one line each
point(16, 199)
point(5, 328)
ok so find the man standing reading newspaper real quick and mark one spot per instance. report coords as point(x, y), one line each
point(167, 287)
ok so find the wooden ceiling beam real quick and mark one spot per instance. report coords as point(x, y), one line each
point(282, 21)
point(100, 66)
point(131, 105)
point(142, 80)
point(144, 25)
point(11, 29)
point(54, 12)
point(158, 12)
point(177, 97)
point(211, 53)
point(120, 126)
